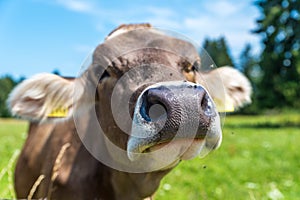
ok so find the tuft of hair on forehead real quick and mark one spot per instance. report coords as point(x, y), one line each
point(123, 28)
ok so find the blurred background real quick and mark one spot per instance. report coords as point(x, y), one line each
point(259, 157)
point(260, 38)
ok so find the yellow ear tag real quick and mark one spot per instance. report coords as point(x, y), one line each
point(59, 112)
point(226, 106)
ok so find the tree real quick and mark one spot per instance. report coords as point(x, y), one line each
point(218, 51)
point(280, 32)
point(7, 83)
point(249, 64)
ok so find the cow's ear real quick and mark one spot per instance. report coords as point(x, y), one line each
point(44, 96)
point(229, 88)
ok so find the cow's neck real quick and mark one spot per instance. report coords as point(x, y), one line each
point(136, 185)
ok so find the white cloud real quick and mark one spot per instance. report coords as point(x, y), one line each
point(232, 19)
point(156, 15)
point(234, 23)
point(222, 8)
point(77, 5)
point(160, 11)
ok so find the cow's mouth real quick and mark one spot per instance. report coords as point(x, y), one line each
point(186, 147)
point(173, 118)
point(181, 149)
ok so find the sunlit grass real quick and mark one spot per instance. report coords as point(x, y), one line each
point(258, 159)
point(12, 136)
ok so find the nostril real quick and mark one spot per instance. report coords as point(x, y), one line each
point(144, 110)
point(157, 112)
point(153, 108)
point(207, 106)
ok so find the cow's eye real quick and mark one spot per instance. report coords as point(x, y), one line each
point(188, 67)
point(196, 66)
point(104, 75)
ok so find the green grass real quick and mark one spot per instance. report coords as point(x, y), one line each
point(12, 136)
point(258, 159)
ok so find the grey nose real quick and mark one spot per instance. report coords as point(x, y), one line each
point(174, 106)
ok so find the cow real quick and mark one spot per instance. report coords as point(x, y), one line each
point(138, 108)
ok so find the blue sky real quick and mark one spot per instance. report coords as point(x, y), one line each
point(43, 35)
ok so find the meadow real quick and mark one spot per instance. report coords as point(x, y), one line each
point(259, 159)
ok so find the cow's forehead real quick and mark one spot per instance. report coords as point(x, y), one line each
point(143, 38)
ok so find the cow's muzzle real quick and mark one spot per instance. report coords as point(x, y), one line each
point(170, 112)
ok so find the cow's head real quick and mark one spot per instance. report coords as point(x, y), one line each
point(145, 94)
